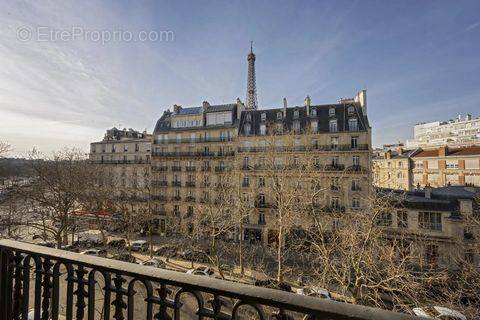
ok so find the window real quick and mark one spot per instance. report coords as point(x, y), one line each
point(263, 116)
point(249, 117)
point(295, 114)
point(279, 115)
point(247, 128)
point(335, 203)
point(452, 165)
point(430, 220)
point(314, 112)
point(356, 161)
point(296, 126)
point(314, 126)
point(355, 203)
point(385, 219)
point(333, 125)
point(261, 181)
point(246, 181)
point(279, 127)
point(245, 162)
point(351, 110)
point(353, 124)
point(335, 161)
point(331, 112)
point(334, 184)
point(402, 219)
point(263, 129)
point(356, 184)
point(334, 143)
point(354, 142)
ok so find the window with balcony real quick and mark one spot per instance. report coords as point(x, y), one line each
point(261, 181)
point(247, 128)
point(295, 114)
point(314, 126)
point(334, 183)
point(356, 184)
point(335, 203)
point(430, 220)
point(356, 161)
point(354, 142)
point(246, 182)
point(263, 129)
point(246, 163)
point(353, 124)
point(279, 127)
point(334, 143)
point(333, 125)
point(263, 116)
point(335, 161)
point(296, 126)
point(279, 115)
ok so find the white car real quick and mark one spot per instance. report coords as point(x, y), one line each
point(315, 292)
point(156, 263)
point(95, 252)
point(139, 245)
point(437, 312)
point(201, 271)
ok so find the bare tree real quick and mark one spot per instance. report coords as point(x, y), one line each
point(4, 147)
point(56, 190)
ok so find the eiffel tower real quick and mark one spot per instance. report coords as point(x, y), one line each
point(251, 85)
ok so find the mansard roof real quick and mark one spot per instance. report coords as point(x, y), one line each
point(322, 117)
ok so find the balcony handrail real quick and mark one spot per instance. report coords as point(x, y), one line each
point(243, 293)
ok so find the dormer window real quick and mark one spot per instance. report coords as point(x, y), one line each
point(263, 116)
point(279, 115)
point(351, 110)
point(353, 124)
point(314, 112)
point(249, 117)
point(331, 112)
point(295, 114)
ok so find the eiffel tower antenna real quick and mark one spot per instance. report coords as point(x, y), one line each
point(251, 84)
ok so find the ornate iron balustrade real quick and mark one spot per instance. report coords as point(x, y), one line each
point(162, 296)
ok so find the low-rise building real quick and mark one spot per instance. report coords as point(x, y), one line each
point(439, 223)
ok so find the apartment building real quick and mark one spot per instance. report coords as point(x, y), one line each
point(125, 155)
point(439, 167)
point(393, 169)
point(446, 166)
point(436, 224)
point(454, 133)
point(195, 148)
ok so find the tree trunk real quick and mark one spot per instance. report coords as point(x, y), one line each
point(280, 254)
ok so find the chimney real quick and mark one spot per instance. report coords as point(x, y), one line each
point(176, 108)
point(443, 151)
point(205, 105)
point(361, 98)
point(307, 103)
point(388, 154)
point(285, 107)
point(468, 117)
point(240, 108)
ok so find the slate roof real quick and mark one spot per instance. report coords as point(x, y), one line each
point(222, 107)
point(322, 116)
point(191, 110)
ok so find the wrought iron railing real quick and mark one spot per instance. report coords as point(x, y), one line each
point(50, 283)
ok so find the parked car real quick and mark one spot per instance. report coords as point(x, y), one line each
point(49, 244)
point(166, 251)
point(315, 292)
point(95, 252)
point(273, 284)
point(90, 237)
point(117, 243)
point(125, 257)
point(70, 247)
point(201, 271)
point(31, 315)
point(437, 312)
point(195, 255)
point(156, 263)
point(139, 245)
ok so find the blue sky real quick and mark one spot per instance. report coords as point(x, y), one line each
point(418, 60)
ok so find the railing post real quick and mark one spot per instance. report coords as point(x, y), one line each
point(5, 285)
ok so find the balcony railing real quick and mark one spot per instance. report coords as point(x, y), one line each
point(190, 169)
point(195, 140)
point(160, 168)
point(59, 283)
point(176, 183)
point(176, 168)
point(190, 183)
point(330, 147)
